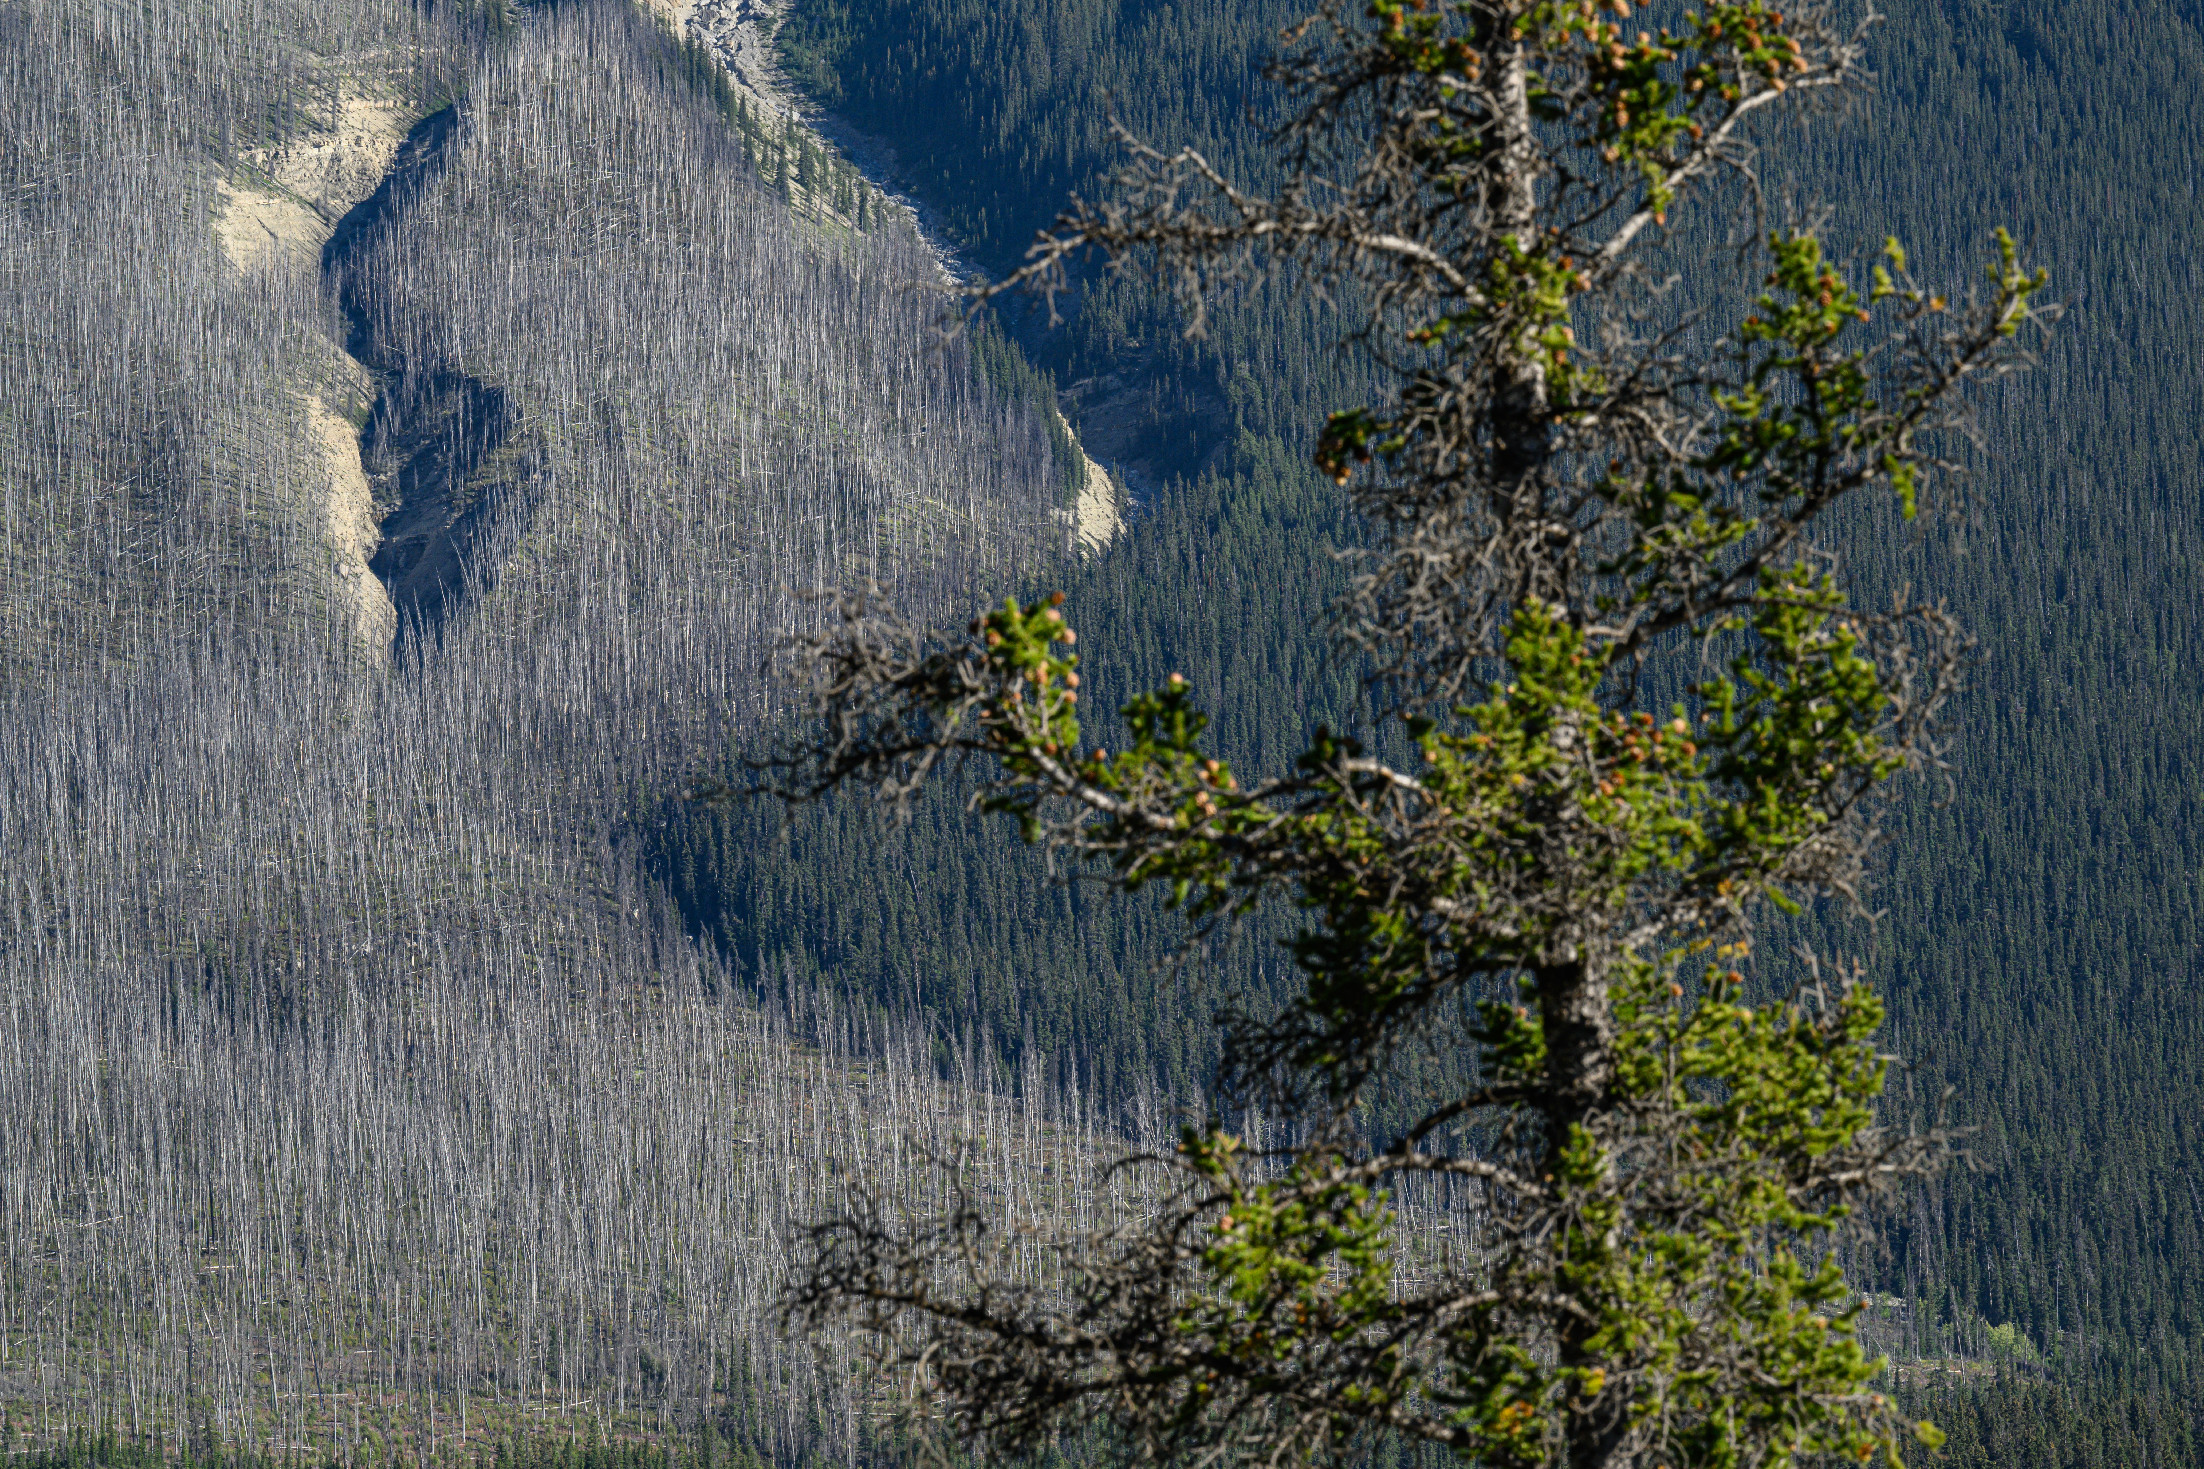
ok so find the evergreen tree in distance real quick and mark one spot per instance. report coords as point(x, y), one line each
point(1575, 499)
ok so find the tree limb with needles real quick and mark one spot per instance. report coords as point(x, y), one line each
point(1565, 884)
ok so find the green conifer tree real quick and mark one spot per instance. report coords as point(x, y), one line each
point(1573, 503)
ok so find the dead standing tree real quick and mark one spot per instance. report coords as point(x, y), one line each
point(1563, 499)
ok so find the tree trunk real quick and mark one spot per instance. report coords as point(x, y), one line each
point(1522, 440)
point(1572, 1003)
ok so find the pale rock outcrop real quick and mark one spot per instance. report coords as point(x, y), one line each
point(352, 532)
point(279, 219)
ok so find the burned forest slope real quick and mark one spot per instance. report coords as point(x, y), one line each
point(363, 1095)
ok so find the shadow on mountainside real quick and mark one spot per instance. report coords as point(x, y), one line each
point(448, 501)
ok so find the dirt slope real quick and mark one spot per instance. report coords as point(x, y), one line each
point(277, 217)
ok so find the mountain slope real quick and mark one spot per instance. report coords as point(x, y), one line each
point(361, 1096)
point(2040, 944)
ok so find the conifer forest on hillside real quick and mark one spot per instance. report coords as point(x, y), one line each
point(420, 423)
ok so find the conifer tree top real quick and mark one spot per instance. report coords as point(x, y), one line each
point(1563, 491)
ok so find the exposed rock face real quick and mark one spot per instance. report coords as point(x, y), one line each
point(261, 229)
point(740, 34)
point(353, 534)
point(335, 169)
point(414, 505)
point(1099, 514)
point(287, 208)
point(281, 217)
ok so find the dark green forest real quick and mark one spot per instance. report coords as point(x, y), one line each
point(2039, 934)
